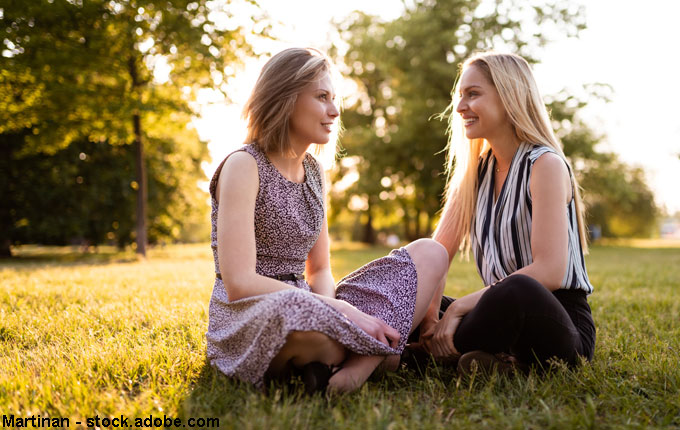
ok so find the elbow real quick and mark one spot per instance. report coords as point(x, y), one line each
point(236, 285)
point(553, 276)
point(551, 272)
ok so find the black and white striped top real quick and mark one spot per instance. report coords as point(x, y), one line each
point(501, 231)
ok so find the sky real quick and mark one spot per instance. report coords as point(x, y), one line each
point(631, 46)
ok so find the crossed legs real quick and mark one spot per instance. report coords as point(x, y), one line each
point(431, 261)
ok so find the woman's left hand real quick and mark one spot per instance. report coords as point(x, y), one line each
point(439, 338)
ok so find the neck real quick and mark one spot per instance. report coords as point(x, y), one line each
point(289, 165)
point(504, 150)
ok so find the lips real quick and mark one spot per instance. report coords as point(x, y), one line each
point(469, 121)
point(327, 126)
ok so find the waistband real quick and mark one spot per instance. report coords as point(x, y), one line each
point(283, 277)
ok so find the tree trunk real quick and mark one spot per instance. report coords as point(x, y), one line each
point(141, 186)
point(407, 223)
point(140, 167)
point(5, 249)
point(369, 233)
point(417, 232)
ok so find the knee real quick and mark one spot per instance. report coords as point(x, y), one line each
point(429, 255)
point(520, 283)
point(518, 290)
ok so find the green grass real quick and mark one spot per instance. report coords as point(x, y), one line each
point(105, 334)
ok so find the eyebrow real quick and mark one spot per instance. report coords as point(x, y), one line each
point(323, 90)
point(468, 88)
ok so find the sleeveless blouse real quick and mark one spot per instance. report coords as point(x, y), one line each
point(501, 230)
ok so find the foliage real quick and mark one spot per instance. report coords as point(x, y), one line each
point(105, 334)
point(108, 71)
point(85, 193)
point(404, 70)
point(72, 69)
point(617, 196)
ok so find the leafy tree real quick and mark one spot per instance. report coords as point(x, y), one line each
point(83, 194)
point(74, 69)
point(405, 70)
point(617, 197)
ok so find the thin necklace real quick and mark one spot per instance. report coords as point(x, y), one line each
point(504, 170)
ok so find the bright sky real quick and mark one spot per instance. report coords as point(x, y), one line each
point(629, 45)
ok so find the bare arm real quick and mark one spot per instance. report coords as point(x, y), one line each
point(237, 189)
point(318, 265)
point(446, 235)
point(551, 190)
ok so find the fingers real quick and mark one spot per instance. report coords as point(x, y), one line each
point(427, 335)
point(375, 327)
point(441, 344)
point(394, 335)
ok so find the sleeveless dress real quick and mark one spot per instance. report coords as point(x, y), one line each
point(245, 335)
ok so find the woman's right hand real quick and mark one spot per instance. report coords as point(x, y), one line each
point(375, 327)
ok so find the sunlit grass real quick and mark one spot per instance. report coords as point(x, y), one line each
point(107, 334)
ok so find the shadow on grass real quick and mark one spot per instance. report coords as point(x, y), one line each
point(216, 395)
point(71, 256)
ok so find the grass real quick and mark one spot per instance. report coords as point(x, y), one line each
point(105, 334)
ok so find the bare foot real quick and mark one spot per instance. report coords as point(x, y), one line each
point(355, 371)
point(390, 364)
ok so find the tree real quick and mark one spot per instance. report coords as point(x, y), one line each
point(82, 194)
point(404, 70)
point(617, 197)
point(92, 70)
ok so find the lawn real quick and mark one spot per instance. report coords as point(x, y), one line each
point(104, 335)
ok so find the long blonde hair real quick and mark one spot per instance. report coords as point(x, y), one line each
point(272, 101)
point(512, 77)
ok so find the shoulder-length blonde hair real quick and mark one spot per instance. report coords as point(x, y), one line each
point(512, 77)
point(271, 103)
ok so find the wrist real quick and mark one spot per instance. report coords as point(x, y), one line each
point(431, 316)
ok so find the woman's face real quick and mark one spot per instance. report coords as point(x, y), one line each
point(314, 113)
point(480, 106)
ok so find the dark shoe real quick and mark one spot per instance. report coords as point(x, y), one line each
point(315, 377)
point(487, 363)
point(418, 358)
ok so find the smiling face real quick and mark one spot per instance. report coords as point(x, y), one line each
point(314, 113)
point(480, 107)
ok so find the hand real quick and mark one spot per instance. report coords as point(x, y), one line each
point(439, 338)
point(375, 327)
point(426, 330)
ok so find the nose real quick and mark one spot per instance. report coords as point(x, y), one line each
point(462, 106)
point(333, 111)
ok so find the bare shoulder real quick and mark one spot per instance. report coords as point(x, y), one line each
point(240, 171)
point(550, 163)
point(550, 174)
point(241, 161)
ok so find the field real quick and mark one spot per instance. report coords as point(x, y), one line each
point(104, 335)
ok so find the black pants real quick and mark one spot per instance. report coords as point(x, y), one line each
point(520, 316)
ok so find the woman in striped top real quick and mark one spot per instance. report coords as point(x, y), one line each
point(512, 198)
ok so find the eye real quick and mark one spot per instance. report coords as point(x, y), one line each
point(323, 97)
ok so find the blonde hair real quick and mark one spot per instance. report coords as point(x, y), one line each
point(271, 103)
point(512, 77)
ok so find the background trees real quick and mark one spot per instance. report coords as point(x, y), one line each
point(96, 96)
point(120, 73)
point(404, 71)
